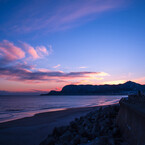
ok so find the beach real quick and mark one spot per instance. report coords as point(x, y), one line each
point(33, 130)
point(98, 127)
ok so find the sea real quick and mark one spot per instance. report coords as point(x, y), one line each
point(20, 106)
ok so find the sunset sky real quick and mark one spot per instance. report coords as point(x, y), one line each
point(46, 44)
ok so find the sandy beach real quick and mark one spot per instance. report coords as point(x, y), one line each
point(32, 130)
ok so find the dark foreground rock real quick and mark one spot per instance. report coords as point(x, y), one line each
point(131, 118)
point(96, 128)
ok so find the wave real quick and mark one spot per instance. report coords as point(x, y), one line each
point(14, 110)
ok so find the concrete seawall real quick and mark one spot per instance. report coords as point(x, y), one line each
point(131, 121)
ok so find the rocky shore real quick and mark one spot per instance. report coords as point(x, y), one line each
point(131, 118)
point(96, 128)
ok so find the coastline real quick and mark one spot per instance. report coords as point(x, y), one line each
point(98, 127)
point(30, 114)
point(20, 107)
point(33, 130)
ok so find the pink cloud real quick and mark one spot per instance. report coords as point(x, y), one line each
point(10, 52)
point(24, 72)
point(26, 75)
point(82, 67)
point(140, 80)
point(42, 50)
point(56, 66)
point(31, 50)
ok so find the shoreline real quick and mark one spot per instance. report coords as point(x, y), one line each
point(30, 114)
point(51, 113)
point(32, 130)
point(96, 127)
point(21, 115)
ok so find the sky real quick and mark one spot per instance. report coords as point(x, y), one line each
point(47, 44)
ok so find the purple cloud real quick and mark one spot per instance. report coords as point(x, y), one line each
point(23, 72)
point(56, 15)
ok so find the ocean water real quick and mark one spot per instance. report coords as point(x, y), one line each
point(15, 107)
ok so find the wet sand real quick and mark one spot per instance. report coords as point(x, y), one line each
point(32, 130)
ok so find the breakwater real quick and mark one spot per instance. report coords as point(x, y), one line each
point(96, 128)
point(131, 119)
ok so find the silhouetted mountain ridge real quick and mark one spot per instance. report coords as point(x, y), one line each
point(120, 89)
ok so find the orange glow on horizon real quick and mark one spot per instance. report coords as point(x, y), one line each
point(115, 82)
point(58, 83)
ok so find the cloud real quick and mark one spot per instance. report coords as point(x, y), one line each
point(10, 52)
point(56, 66)
point(43, 70)
point(115, 82)
point(54, 15)
point(42, 50)
point(32, 52)
point(140, 80)
point(103, 74)
point(82, 67)
point(38, 51)
point(25, 73)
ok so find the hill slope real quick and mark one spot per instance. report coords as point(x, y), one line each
point(120, 89)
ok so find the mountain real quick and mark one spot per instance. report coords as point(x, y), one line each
point(120, 89)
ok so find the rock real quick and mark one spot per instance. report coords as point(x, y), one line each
point(96, 128)
point(86, 123)
point(73, 125)
point(84, 133)
point(95, 131)
point(59, 131)
point(76, 140)
point(111, 141)
point(66, 136)
point(116, 132)
point(48, 141)
point(100, 109)
point(83, 140)
point(103, 140)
